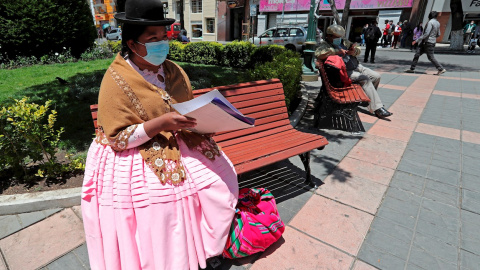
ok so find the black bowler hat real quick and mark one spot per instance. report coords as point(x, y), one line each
point(143, 12)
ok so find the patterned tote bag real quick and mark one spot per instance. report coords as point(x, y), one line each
point(256, 224)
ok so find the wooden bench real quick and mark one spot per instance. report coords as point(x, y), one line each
point(272, 139)
point(338, 106)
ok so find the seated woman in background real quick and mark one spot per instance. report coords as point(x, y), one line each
point(155, 196)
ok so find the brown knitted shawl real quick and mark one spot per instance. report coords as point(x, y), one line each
point(126, 99)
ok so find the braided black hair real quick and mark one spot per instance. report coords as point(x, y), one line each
point(130, 31)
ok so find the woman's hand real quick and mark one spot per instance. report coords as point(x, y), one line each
point(168, 121)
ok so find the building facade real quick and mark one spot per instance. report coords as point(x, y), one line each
point(103, 12)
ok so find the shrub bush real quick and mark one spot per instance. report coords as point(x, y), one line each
point(176, 51)
point(265, 54)
point(97, 52)
point(286, 66)
point(115, 46)
point(28, 136)
point(203, 52)
point(237, 54)
point(33, 28)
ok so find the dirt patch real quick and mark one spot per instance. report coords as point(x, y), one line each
point(11, 186)
point(44, 185)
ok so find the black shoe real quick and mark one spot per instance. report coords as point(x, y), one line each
point(372, 61)
point(382, 113)
point(409, 71)
point(365, 61)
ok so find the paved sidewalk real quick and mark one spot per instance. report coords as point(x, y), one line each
point(403, 195)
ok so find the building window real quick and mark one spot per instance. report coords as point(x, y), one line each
point(210, 22)
point(196, 6)
point(197, 29)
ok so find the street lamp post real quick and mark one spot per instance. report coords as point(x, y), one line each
point(310, 44)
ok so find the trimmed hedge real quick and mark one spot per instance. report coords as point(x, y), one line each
point(261, 63)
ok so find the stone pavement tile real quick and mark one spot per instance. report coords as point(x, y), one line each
point(471, 150)
point(413, 167)
point(359, 265)
point(441, 192)
point(39, 244)
point(366, 118)
point(408, 182)
point(447, 222)
point(444, 175)
point(413, 99)
point(471, 137)
point(405, 112)
point(28, 219)
point(82, 254)
point(470, 165)
point(366, 170)
point(470, 241)
point(396, 217)
point(390, 132)
point(8, 225)
point(382, 151)
point(399, 124)
point(439, 208)
point(407, 207)
point(438, 131)
point(380, 258)
point(470, 182)
point(447, 93)
point(440, 233)
point(77, 209)
point(321, 216)
point(436, 247)
point(50, 212)
point(426, 260)
point(392, 229)
point(469, 260)
point(386, 243)
point(296, 250)
point(3, 266)
point(68, 261)
point(471, 201)
point(395, 87)
point(285, 214)
point(472, 96)
point(358, 192)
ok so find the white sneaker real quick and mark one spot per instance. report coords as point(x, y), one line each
point(441, 72)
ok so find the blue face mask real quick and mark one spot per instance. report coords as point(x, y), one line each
point(156, 52)
point(337, 41)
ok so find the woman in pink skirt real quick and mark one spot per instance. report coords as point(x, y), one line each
point(155, 196)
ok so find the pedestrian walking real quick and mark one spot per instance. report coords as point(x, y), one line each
point(386, 31)
point(155, 195)
point(406, 33)
point(396, 35)
point(417, 33)
point(372, 34)
point(468, 31)
point(427, 44)
point(362, 36)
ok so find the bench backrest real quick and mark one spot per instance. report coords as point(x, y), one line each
point(351, 94)
point(263, 100)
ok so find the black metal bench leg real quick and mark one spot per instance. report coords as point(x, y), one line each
point(305, 157)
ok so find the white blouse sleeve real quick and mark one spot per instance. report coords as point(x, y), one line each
point(138, 137)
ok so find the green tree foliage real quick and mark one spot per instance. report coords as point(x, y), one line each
point(38, 28)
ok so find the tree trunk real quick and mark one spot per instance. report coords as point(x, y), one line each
point(346, 10)
point(334, 11)
point(456, 36)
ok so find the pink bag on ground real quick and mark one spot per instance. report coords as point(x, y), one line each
point(256, 224)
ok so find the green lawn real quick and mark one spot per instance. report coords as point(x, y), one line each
point(72, 100)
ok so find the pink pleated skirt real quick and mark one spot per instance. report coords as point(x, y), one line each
point(132, 221)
